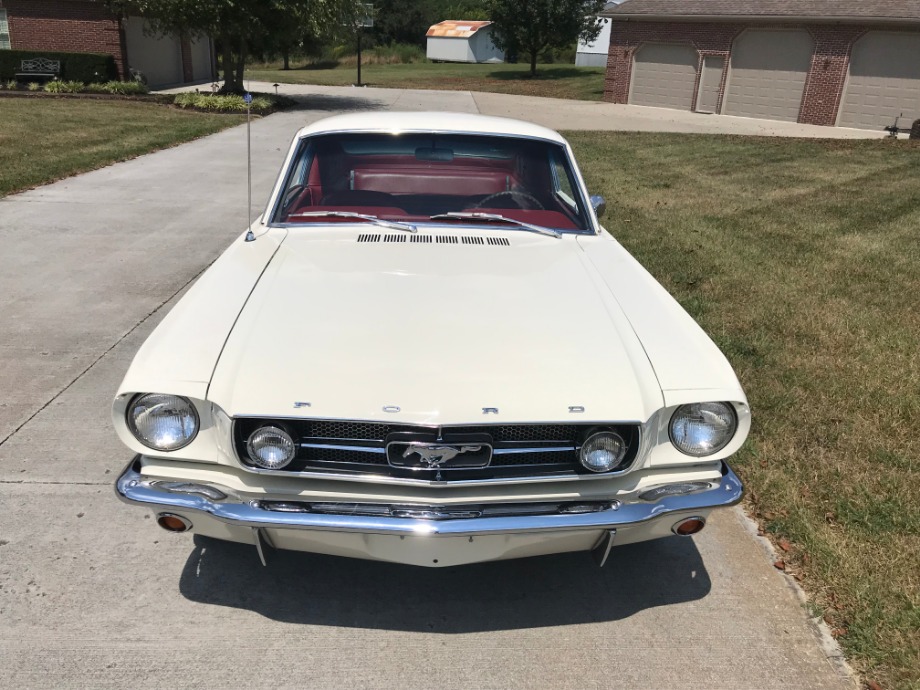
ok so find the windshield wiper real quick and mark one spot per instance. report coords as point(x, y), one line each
point(494, 217)
point(358, 216)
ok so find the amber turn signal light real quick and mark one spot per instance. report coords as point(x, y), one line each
point(688, 526)
point(173, 523)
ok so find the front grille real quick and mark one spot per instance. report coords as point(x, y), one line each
point(486, 451)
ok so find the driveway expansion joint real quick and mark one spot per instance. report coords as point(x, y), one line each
point(106, 352)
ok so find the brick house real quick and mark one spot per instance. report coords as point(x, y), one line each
point(850, 63)
point(86, 26)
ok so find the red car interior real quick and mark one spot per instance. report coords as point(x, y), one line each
point(403, 187)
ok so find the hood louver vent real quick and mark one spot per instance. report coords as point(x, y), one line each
point(437, 239)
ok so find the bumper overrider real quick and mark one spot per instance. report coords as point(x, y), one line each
point(423, 535)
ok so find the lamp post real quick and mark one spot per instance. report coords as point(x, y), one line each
point(365, 18)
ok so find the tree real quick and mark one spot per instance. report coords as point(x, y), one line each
point(240, 26)
point(400, 21)
point(303, 26)
point(531, 26)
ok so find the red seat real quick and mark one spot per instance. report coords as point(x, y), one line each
point(457, 181)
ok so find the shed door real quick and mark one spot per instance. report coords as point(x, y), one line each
point(767, 74)
point(884, 81)
point(663, 76)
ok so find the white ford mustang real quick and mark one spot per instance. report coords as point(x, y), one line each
point(427, 351)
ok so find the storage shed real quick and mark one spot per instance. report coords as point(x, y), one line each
point(848, 63)
point(594, 53)
point(459, 41)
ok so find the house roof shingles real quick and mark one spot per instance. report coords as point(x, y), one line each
point(777, 9)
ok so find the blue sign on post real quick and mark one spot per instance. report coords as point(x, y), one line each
point(248, 98)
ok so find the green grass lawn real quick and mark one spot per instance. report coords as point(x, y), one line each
point(45, 139)
point(802, 260)
point(555, 81)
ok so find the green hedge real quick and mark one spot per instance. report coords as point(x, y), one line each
point(85, 67)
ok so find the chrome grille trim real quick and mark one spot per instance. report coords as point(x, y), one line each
point(534, 449)
point(353, 449)
point(522, 453)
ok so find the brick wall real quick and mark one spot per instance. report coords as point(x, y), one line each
point(76, 26)
point(823, 86)
point(828, 73)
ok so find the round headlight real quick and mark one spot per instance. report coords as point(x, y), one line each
point(270, 447)
point(603, 451)
point(162, 422)
point(702, 429)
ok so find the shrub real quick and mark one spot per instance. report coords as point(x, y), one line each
point(85, 67)
point(34, 86)
point(223, 103)
point(12, 85)
point(65, 86)
point(125, 88)
point(95, 87)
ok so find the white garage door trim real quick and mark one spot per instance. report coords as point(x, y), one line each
point(892, 95)
point(675, 85)
point(774, 86)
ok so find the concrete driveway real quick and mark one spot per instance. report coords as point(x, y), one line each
point(92, 594)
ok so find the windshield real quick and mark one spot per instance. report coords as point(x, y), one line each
point(412, 177)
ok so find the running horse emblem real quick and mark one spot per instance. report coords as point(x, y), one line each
point(434, 455)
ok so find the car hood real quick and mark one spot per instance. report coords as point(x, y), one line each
point(344, 328)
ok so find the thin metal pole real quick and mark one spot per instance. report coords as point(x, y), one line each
point(248, 166)
point(250, 236)
point(360, 31)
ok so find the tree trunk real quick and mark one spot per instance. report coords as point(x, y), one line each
point(533, 63)
point(230, 83)
point(286, 55)
point(241, 65)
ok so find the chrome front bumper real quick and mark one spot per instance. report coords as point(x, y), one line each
point(133, 488)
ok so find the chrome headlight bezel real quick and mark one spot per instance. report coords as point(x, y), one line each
point(131, 422)
point(682, 412)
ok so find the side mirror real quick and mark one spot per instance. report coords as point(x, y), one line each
point(599, 204)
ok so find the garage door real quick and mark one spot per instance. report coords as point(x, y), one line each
point(663, 76)
point(767, 74)
point(884, 81)
point(158, 57)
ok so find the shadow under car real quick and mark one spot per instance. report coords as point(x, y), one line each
point(562, 589)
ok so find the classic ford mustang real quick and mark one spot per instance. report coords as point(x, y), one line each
point(427, 351)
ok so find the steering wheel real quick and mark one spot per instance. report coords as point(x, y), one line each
point(290, 196)
point(529, 202)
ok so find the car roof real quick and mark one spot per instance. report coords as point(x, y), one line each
point(465, 123)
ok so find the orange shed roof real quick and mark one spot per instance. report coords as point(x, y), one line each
point(456, 29)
